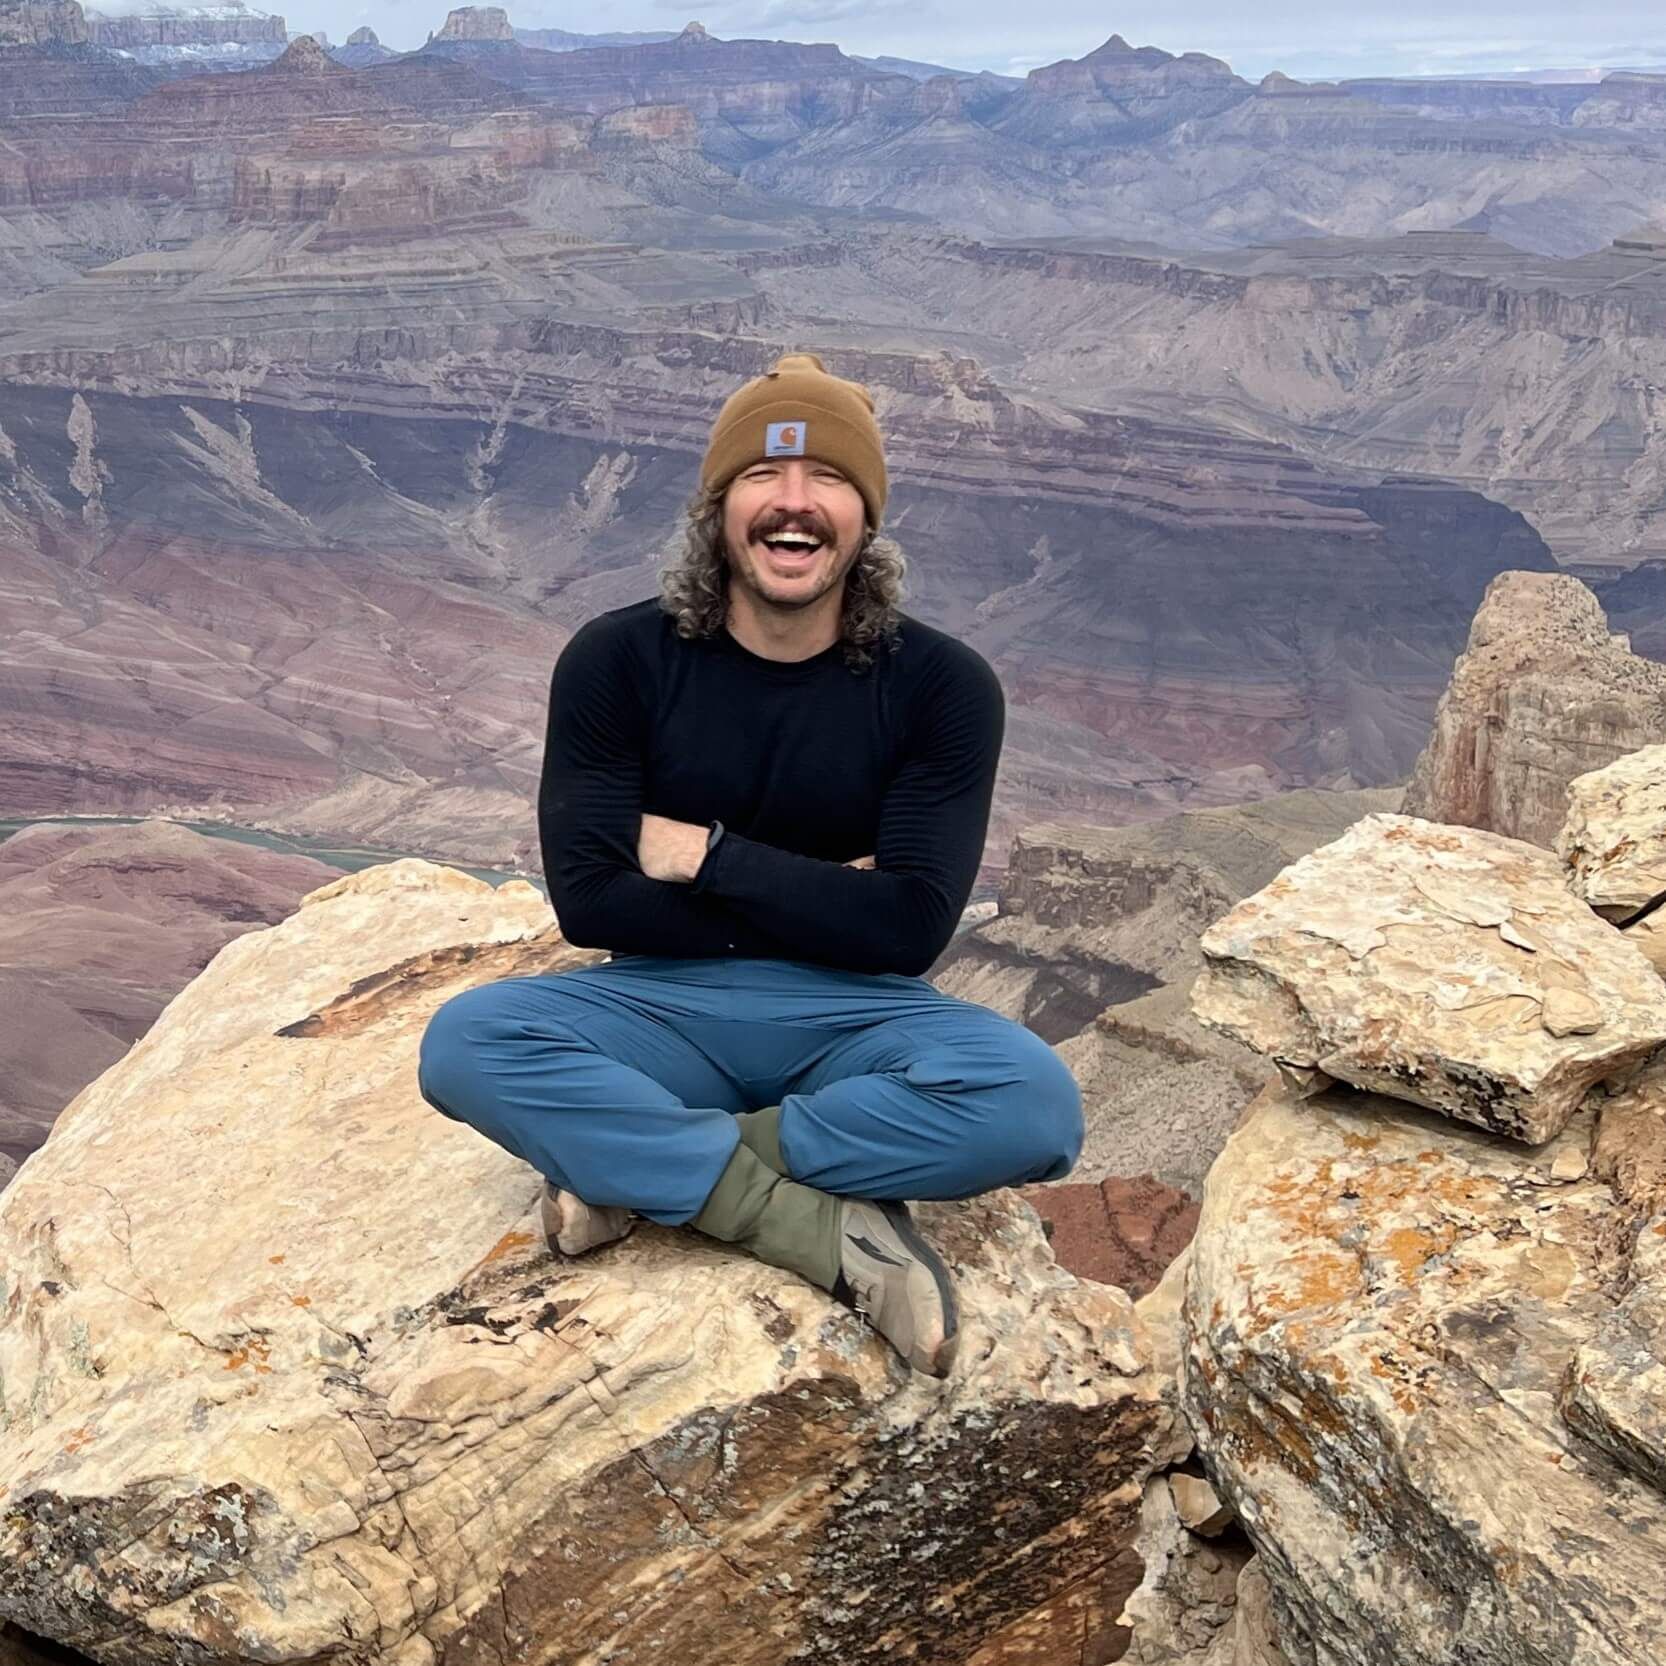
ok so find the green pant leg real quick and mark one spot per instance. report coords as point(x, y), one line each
point(776, 1219)
point(761, 1130)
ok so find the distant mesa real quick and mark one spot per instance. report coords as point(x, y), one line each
point(306, 55)
point(42, 23)
point(694, 35)
point(226, 35)
point(490, 23)
point(362, 49)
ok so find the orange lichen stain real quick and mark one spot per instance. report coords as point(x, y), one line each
point(1362, 1142)
point(506, 1245)
point(1428, 1156)
point(1326, 1278)
point(274, 1259)
point(301, 1301)
point(1411, 1247)
point(257, 1347)
point(1660, 1231)
point(1319, 1278)
point(77, 1439)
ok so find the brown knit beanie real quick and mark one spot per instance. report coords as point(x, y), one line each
point(798, 410)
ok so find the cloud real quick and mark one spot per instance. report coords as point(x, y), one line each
point(746, 17)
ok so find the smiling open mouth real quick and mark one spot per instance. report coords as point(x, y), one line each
point(792, 543)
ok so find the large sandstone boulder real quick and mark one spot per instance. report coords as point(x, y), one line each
point(1444, 965)
point(1095, 947)
point(289, 1375)
point(1542, 693)
point(1412, 1371)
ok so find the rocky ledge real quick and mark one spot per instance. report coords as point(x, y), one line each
point(1425, 1362)
point(290, 1375)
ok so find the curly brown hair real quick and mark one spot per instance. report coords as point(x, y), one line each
point(694, 588)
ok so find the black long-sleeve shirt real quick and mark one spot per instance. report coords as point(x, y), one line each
point(808, 765)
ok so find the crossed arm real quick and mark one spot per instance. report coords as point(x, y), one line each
point(637, 883)
point(673, 850)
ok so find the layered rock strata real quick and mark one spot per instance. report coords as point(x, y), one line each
point(226, 35)
point(1445, 965)
point(496, 485)
point(269, 1420)
point(1542, 693)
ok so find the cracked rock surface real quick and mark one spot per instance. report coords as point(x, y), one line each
point(287, 1373)
point(1443, 965)
point(1427, 1374)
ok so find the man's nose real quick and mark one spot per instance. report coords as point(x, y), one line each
point(792, 492)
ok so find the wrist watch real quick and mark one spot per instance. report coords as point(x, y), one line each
point(715, 833)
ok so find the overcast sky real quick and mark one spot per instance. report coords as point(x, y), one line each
point(1300, 37)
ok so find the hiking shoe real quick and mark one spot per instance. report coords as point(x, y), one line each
point(572, 1226)
point(898, 1282)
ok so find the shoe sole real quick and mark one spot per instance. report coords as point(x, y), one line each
point(941, 1359)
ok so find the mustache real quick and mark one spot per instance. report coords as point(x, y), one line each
point(767, 526)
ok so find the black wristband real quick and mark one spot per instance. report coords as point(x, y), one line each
point(712, 837)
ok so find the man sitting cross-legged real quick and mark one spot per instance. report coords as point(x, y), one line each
point(766, 791)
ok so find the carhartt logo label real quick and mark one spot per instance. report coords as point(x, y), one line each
point(784, 439)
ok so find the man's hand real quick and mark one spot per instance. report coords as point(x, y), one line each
point(860, 862)
point(673, 850)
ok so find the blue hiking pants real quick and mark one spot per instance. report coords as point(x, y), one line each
point(620, 1082)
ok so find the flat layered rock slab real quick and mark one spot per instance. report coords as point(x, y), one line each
point(290, 1376)
point(1614, 840)
point(1442, 965)
point(1382, 1313)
